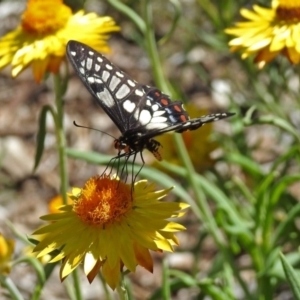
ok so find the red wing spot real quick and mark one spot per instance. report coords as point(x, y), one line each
point(177, 108)
point(164, 102)
point(157, 94)
point(183, 118)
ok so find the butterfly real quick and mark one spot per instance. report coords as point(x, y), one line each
point(141, 112)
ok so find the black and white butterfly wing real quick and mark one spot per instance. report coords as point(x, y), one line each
point(132, 106)
point(117, 93)
point(139, 111)
point(160, 115)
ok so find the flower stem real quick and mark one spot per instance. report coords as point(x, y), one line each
point(8, 284)
point(59, 89)
point(77, 288)
point(151, 48)
point(61, 141)
point(121, 288)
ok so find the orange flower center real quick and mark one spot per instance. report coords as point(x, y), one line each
point(45, 16)
point(288, 10)
point(103, 201)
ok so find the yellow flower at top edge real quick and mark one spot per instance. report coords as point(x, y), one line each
point(268, 32)
point(46, 27)
point(110, 226)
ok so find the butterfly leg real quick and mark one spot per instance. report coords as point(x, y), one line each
point(124, 171)
point(107, 166)
point(143, 163)
point(111, 164)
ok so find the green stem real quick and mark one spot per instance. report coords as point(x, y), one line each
point(166, 293)
point(121, 289)
point(61, 141)
point(8, 284)
point(59, 88)
point(152, 49)
point(77, 288)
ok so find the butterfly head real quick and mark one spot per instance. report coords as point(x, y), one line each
point(122, 146)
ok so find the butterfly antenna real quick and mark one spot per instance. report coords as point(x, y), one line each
point(86, 127)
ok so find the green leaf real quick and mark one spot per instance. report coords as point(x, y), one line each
point(130, 13)
point(248, 164)
point(208, 287)
point(276, 121)
point(291, 277)
point(41, 134)
point(282, 185)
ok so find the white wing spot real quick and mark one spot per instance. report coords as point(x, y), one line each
point(151, 125)
point(97, 67)
point(89, 63)
point(105, 75)
point(158, 113)
point(130, 82)
point(119, 74)
point(82, 63)
point(155, 107)
point(91, 53)
point(187, 124)
point(139, 92)
point(129, 106)
point(123, 91)
point(91, 79)
point(98, 80)
point(81, 70)
point(148, 102)
point(114, 82)
point(106, 98)
point(73, 53)
point(109, 67)
point(100, 60)
point(159, 120)
point(145, 117)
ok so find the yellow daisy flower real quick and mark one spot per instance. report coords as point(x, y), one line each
point(46, 27)
point(269, 32)
point(109, 226)
point(7, 247)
